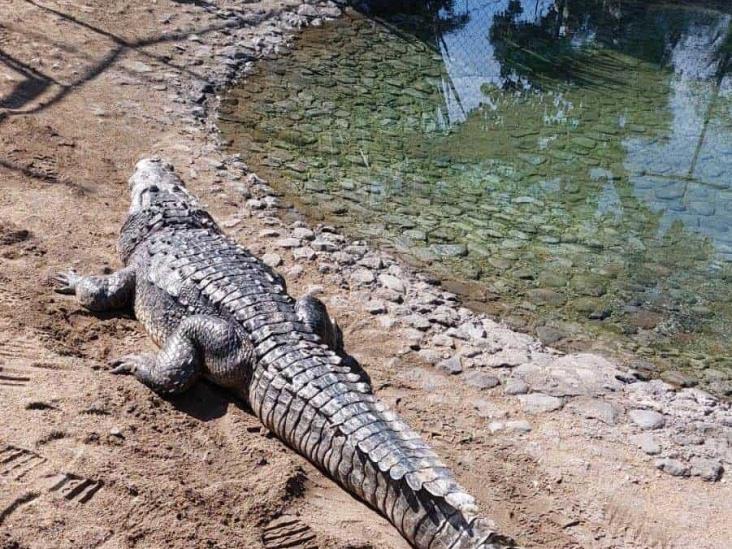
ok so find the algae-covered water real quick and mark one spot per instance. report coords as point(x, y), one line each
point(573, 158)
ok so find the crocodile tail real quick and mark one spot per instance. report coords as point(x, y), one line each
point(330, 415)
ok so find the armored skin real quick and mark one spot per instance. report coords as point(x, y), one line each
point(217, 311)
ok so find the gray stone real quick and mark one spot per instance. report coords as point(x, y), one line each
point(595, 408)
point(488, 409)
point(288, 243)
point(679, 379)
point(324, 245)
point(372, 262)
point(413, 337)
point(481, 380)
point(305, 252)
point(507, 358)
point(708, 469)
point(343, 258)
point(303, 233)
point(472, 330)
point(419, 322)
point(515, 426)
point(673, 467)
point(295, 271)
point(442, 340)
point(430, 356)
point(362, 276)
point(449, 250)
point(647, 442)
point(272, 259)
point(389, 295)
point(516, 387)
point(546, 296)
point(647, 419)
point(537, 403)
point(392, 283)
point(376, 307)
point(549, 334)
point(452, 365)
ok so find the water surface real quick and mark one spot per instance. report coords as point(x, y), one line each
point(574, 159)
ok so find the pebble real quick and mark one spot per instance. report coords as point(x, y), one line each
point(255, 204)
point(546, 296)
point(288, 243)
point(481, 380)
point(392, 283)
point(442, 340)
point(707, 469)
point(389, 295)
point(430, 356)
point(372, 261)
point(376, 307)
point(305, 252)
point(419, 322)
point(324, 245)
point(673, 467)
point(362, 276)
point(647, 419)
point(507, 358)
point(595, 408)
point(647, 443)
point(303, 233)
point(516, 387)
point(452, 365)
point(449, 250)
point(489, 409)
point(413, 338)
point(516, 426)
point(387, 322)
point(537, 403)
point(679, 379)
point(549, 334)
point(272, 260)
point(295, 271)
point(343, 258)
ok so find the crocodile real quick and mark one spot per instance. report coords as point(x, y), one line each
point(217, 312)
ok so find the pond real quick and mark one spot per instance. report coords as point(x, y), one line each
point(571, 159)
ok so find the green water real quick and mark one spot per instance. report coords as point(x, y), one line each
point(574, 162)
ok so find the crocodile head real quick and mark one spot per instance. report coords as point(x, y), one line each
point(154, 185)
point(158, 199)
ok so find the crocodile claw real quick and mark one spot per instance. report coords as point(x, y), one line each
point(66, 282)
point(129, 364)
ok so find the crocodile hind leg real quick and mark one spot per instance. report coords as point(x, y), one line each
point(201, 344)
point(314, 314)
point(99, 293)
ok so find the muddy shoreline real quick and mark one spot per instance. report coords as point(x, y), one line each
point(562, 450)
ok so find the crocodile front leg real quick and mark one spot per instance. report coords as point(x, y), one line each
point(99, 293)
point(201, 344)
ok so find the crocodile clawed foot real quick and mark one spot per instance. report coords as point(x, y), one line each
point(130, 364)
point(66, 282)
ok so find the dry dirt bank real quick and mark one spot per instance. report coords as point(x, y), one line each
point(553, 447)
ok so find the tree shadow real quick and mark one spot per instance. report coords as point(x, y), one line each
point(35, 84)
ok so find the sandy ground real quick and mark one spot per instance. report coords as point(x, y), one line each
point(92, 460)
